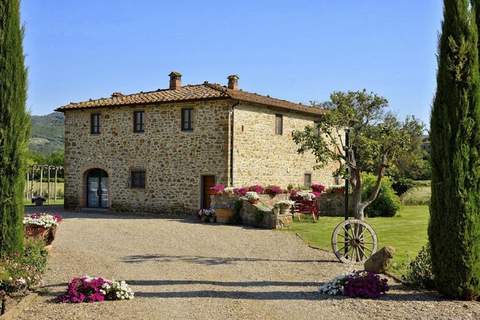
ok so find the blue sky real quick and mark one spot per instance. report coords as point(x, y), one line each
point(298, 50)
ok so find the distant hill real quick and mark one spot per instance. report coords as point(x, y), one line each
point(47, 133)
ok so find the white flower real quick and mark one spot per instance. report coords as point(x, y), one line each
point(251, 196)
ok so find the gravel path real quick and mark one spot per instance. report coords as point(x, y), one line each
point(181, 269)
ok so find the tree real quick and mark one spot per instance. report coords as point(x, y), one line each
point(14, 127)
point(376, 139)
point(454, 227)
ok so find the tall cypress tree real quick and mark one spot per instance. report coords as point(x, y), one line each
point(454, 229)
point(14, 127)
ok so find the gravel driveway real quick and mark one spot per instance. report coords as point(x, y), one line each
point(180, 269)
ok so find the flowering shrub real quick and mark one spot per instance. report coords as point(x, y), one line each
point(117, 290)
point(241, 192)
point(21, 272)
point(318, 188)
point(284, 203)
point(273, 190)
point(218, 188)
point(42, 219)
point(334, 287)
point(229, 190)
point(364, 284)
point(251, 196)
point(336, 189)
point(256, 188)
point(206, 213)
point(305, 195)
point(358, 284)
point(93, 289)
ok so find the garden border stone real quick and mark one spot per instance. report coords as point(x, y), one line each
point(15, 311)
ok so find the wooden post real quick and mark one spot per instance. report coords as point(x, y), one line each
point(32, 176)
point(41, 181)
point(48, 184)
point(55, 185)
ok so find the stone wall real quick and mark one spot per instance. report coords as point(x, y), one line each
point(260, 156)
point(174, 160)
point(333, 205)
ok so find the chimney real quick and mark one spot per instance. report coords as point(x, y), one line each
point(175, 80)
point(233, 82)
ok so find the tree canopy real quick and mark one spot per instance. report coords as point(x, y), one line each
point(377, 139)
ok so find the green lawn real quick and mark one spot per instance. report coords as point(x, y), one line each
point(406, 232)
point(28, 202)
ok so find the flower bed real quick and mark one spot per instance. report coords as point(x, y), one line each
point(358, 284)
point(22, 272)
point(95, 289)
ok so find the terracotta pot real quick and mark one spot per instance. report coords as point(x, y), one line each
point(36, 232)
point(51, 235)
point(224, 215)
point(253, 201)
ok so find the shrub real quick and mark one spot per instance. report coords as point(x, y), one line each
point(387, 202)
point(240, 191)
point(418, 195)
point(273, 190)
point(23, 271)
point(419, 274)
point(256, 188)
point(364, 284)
point(402, 185)
point(218, 188)
point(95, 289)
point(237, 218)
point(319, 188)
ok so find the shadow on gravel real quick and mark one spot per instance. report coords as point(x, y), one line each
point(223, 283)
point(210, 260)
point(279, 295)
point(244, 295)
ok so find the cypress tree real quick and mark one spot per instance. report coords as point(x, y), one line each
point(14, 127)
point(454, 229)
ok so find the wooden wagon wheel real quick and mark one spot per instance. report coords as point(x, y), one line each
point(354, 241)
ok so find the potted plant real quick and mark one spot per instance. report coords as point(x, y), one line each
point(206, 215)
point(216, 189)
point(284, 206)
point(41, 226)
point(252, 197)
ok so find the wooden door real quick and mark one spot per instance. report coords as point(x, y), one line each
point(207, 183)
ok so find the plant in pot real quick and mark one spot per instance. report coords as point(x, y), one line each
point(252, 197)
point(41, 226)
point(272, 191)
point(206, 215)
point(216, 189)
point(284, 206)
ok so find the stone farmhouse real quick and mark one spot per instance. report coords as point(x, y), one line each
point(161, 151)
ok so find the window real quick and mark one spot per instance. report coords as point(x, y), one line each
point(138, 121)
point(187, 119)
point(307, 180)
point(95, 123)
point(279, 124)
point(137, 179)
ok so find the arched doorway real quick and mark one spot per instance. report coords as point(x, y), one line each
point(97, 189)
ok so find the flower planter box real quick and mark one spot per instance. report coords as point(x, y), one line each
point(224, 215)
point(41, 233)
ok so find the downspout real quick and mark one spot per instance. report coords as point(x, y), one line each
point(232, 129)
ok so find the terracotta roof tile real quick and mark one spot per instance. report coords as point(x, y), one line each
point(203, 91)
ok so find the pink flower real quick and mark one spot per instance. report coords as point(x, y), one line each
point(256, 188)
